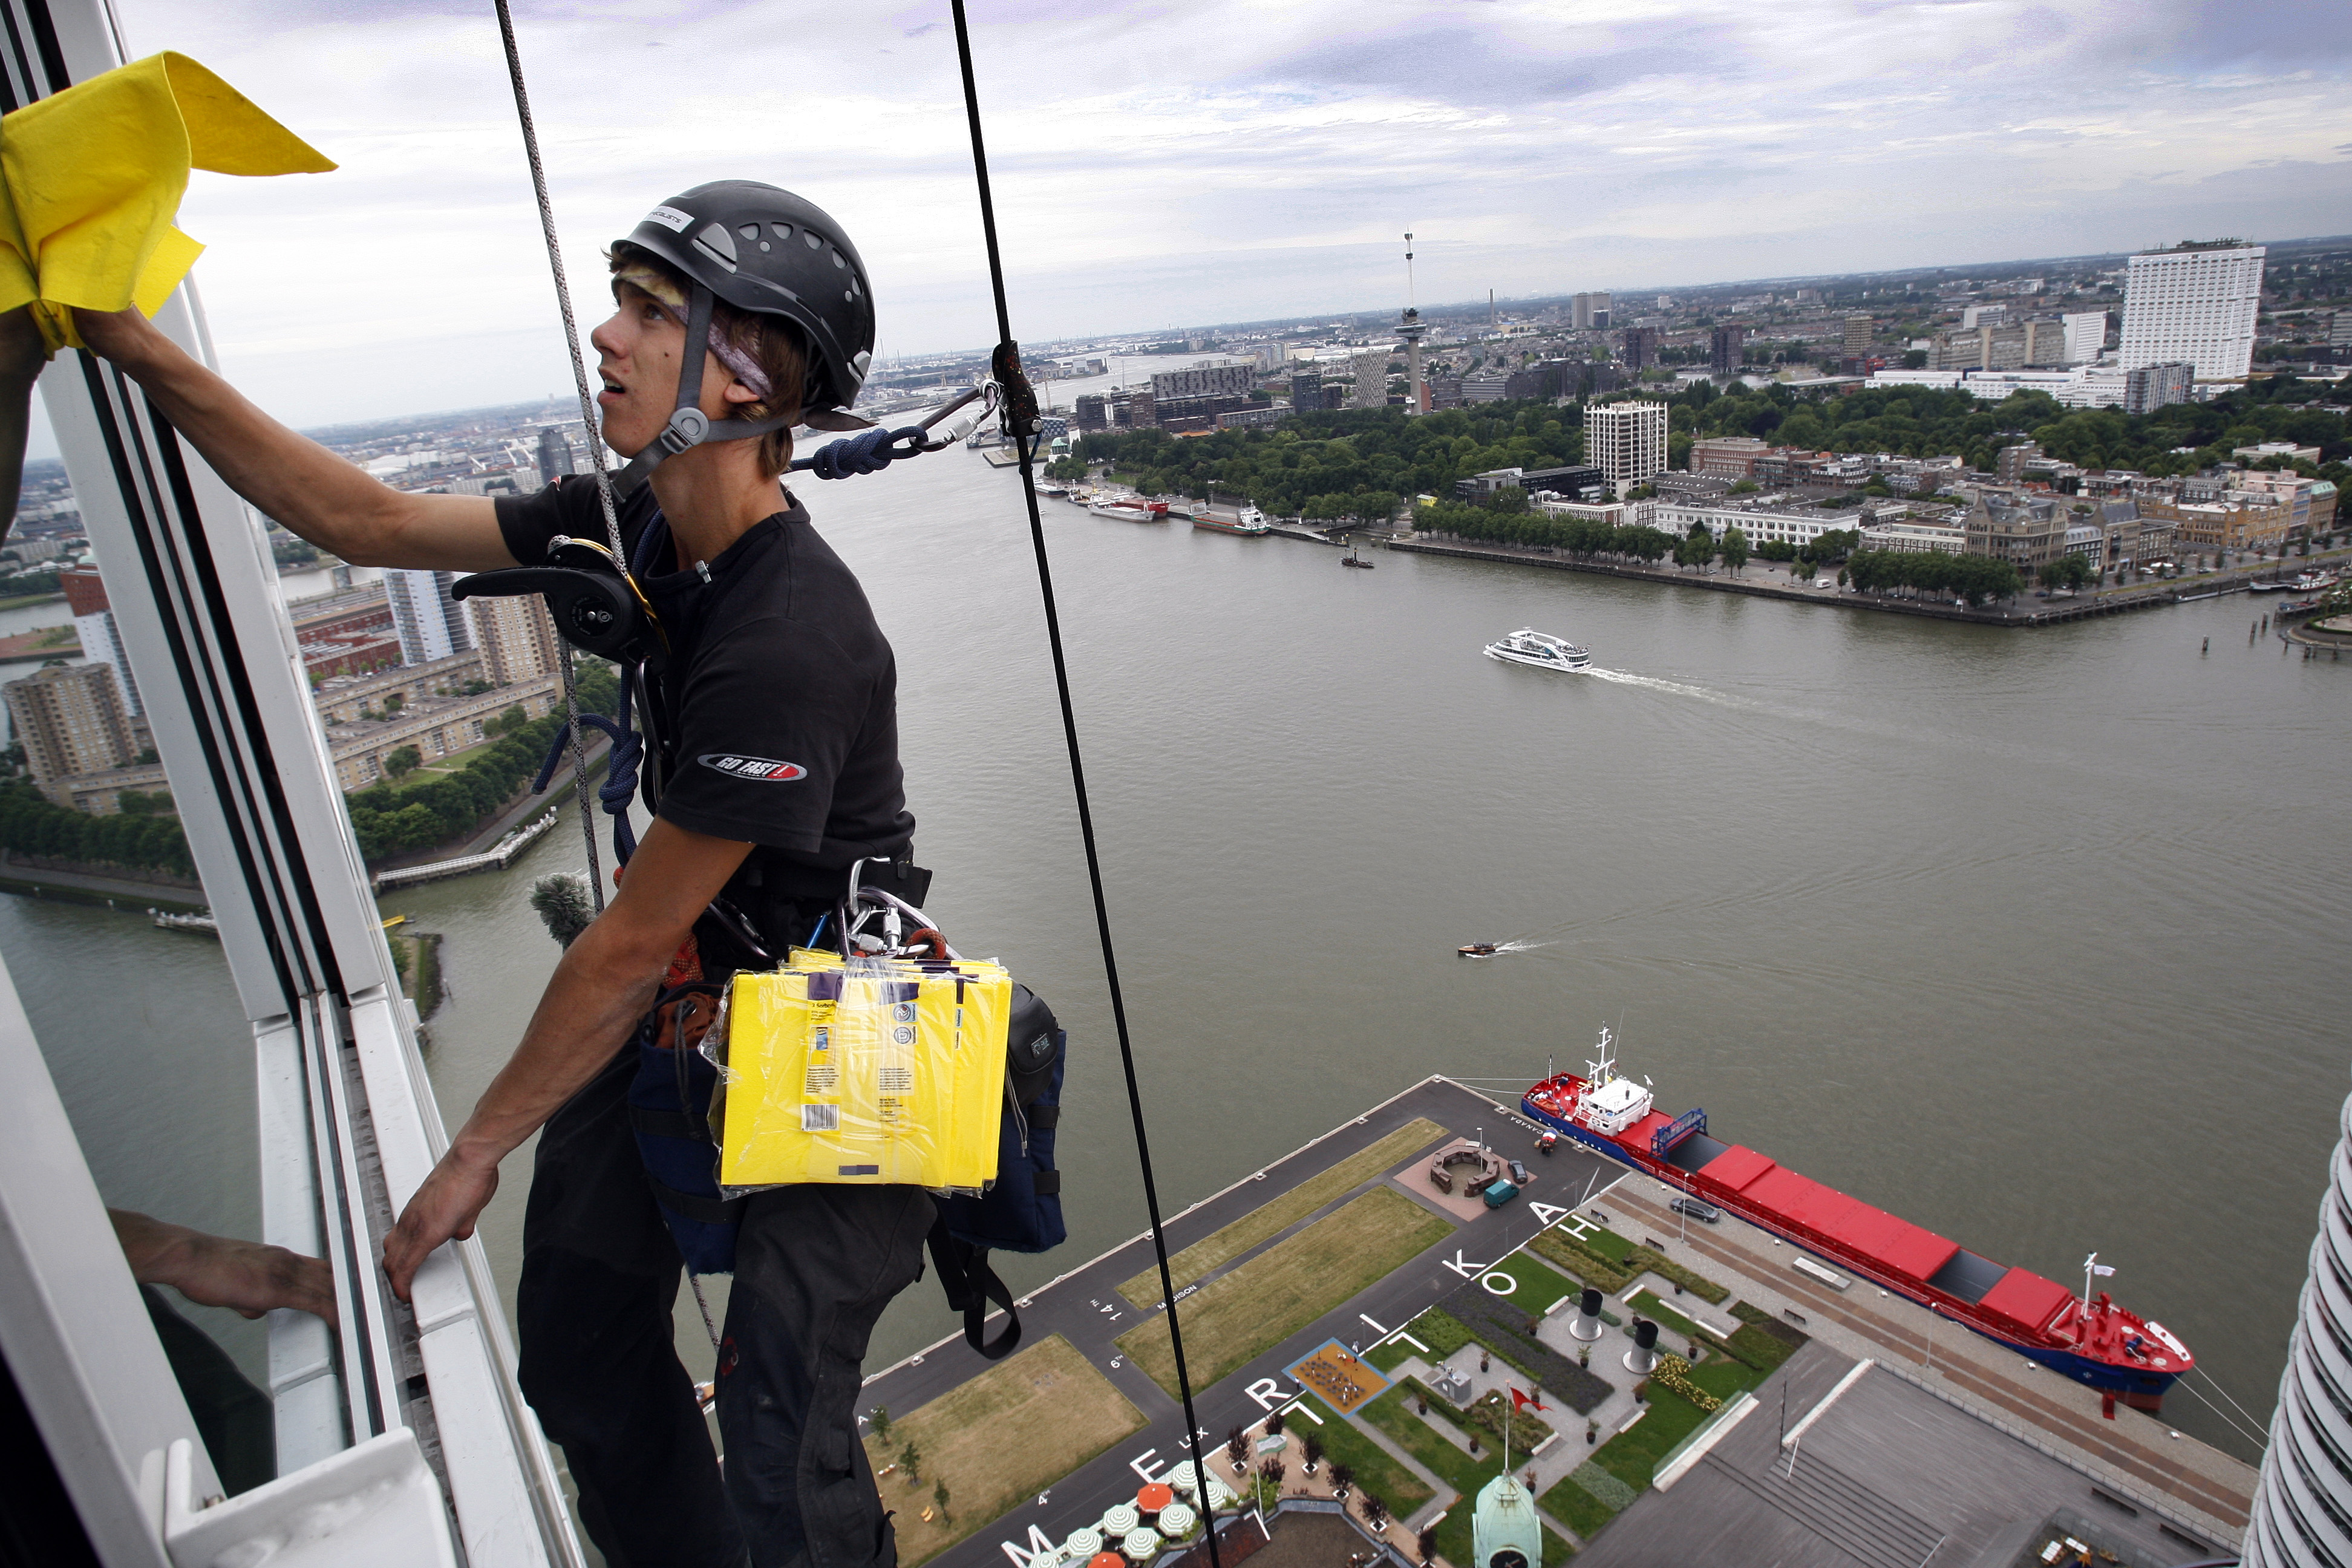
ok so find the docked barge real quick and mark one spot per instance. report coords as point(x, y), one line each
point(2087, 1339)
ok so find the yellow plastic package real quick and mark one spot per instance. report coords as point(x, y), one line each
point(875, 1072)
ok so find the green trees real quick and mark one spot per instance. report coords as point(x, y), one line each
point(403, 762)
point(1735, 549)
point(1695, 548)
point(1976, 578)
point(1831, 545)
point(30, 824)
point(2067, 572)
point(1354, 455)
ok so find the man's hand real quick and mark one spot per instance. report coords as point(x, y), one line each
point(246, 1277)
point(122, 336)
point(445, 1206)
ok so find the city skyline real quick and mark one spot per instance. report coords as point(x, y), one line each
point(1217, 162)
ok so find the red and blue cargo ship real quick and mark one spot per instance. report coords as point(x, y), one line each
point(2087, 1339)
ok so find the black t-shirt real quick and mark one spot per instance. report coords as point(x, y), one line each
point(773, 718)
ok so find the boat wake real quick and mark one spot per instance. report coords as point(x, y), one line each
point(1680, 689)
point(1504, 947)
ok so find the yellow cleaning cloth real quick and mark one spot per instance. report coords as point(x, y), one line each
point(91, 179)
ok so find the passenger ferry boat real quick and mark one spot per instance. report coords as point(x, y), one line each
point(2088, 1340)
point(1540, 650)
point(1250, 521)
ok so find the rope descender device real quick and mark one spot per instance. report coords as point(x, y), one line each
point(597, 602)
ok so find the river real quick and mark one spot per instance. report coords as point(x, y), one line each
point(2028, 937)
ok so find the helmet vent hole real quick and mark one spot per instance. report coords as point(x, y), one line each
point(814, 242)
point(748, 231)
point(764, 246)
point(781, 230)
point(837, 261)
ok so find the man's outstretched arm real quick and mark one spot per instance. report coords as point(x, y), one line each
point(606, 982)
point(291, 477)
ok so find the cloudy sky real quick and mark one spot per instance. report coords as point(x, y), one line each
point(1191, 160)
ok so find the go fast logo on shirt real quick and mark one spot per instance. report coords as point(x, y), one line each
point(758, 769)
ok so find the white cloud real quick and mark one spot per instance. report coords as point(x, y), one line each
point(1159, 164)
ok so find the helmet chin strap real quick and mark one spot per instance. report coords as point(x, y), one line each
point(689, 424)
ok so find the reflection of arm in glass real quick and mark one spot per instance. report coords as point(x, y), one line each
point(247, 1276)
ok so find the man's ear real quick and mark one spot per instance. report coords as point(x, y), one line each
point(732, 390)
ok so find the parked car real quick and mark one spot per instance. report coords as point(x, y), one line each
point(1500, 1194)
point(1518, 1173)
point(1697, 1209)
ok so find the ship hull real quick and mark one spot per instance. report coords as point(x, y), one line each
point(2143, 1389)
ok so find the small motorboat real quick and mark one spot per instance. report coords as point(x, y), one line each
point(1353, 559)
point(1475, 950)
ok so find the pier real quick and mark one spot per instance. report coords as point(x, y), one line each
point(498, 855)
point(1388, 1322)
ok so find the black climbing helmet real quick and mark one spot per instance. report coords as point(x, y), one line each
point(769, 253)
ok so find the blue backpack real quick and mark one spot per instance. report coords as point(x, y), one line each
point(1022, 1211)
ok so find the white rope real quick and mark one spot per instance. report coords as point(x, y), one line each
point(596, 440)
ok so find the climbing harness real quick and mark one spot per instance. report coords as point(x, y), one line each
point(1015, 404)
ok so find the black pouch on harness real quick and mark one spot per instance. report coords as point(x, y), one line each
point(1022, 1211)
point(669, 1106)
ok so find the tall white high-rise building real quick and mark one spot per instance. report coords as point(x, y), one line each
point(428, 622)
point(1627, 442)
point(2303, 1503)
point(2196, 304)
point(2086, 335)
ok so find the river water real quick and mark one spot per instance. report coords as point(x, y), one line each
point(2026, 936)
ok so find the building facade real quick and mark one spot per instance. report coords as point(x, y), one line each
point(517, 638)
point(1368, 371)
point(1856, 340)
point(1915, 534)
point(2152, 386)
point(102, 639)
point(554, 454)
point(2242, 520)
point(2196, 304)
point(429, 623)
point(71, 720)
point(1626, 441)
point(1730, 457)
point(2086, 335)
point(2027, 531)
point(1641, 348)
point(1726, 350)
point(436, 725)
point(1204, 381)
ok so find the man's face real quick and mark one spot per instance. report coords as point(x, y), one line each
point(638, 352)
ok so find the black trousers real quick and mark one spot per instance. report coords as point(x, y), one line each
point(815, 1267)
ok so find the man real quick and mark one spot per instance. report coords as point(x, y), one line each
point(742, 311)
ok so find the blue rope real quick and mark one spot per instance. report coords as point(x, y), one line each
point(620, 785)
point(868, 452)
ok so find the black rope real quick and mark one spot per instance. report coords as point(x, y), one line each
point(1027, 451)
